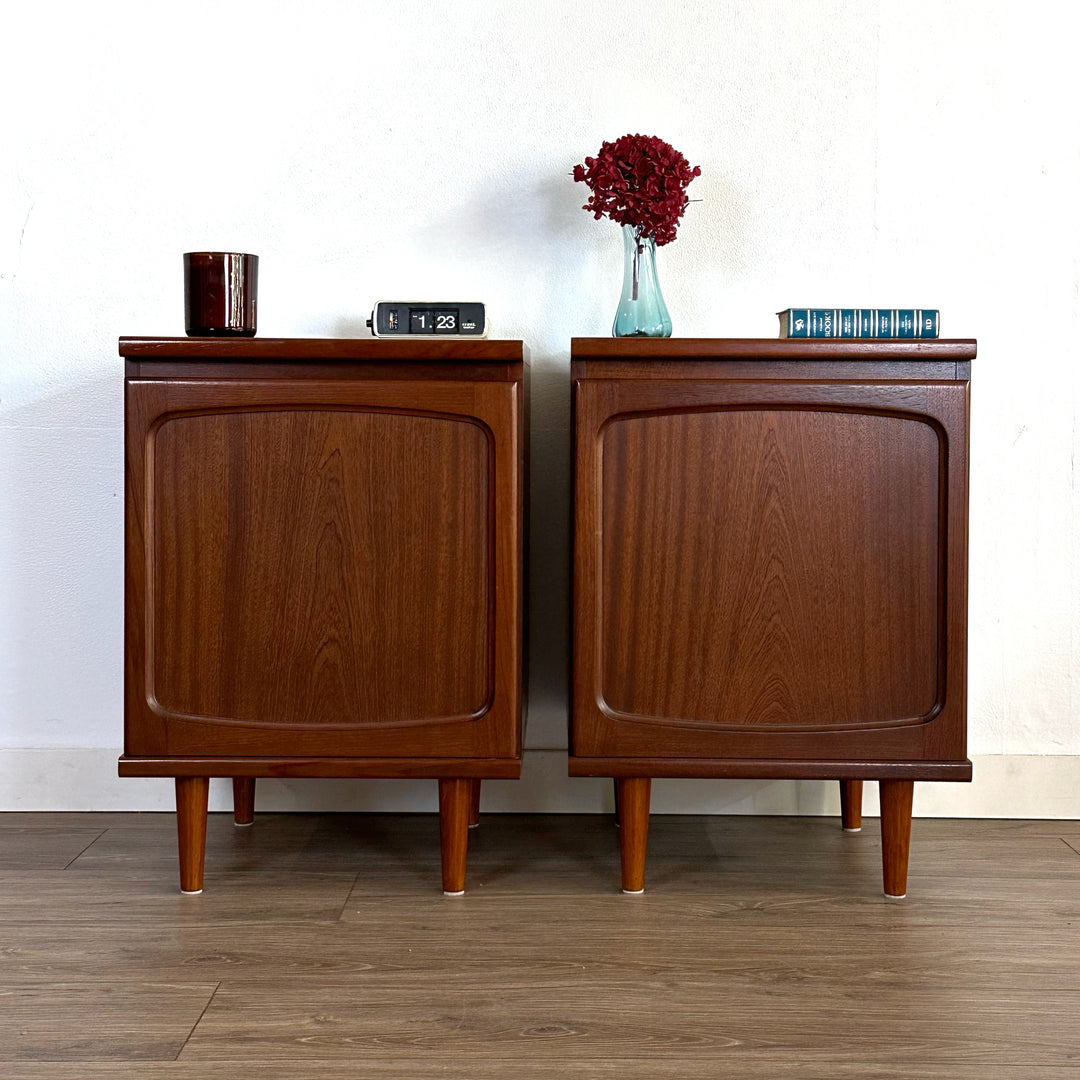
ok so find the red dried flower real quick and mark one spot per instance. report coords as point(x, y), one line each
point(638, 180)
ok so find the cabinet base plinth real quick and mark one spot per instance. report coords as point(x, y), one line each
point(759, 769)
point(323, 768)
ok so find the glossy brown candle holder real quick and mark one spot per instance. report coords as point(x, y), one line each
point(220, 293)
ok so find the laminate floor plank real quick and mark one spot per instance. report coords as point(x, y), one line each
point(405, 848)
point(95, 899)
point(831, 872)
point(514, 854)
point(989, 827)
point(774, 902)
point(1024, 956)
point(43, 848)
point(684, 1015)
point(98, 1021)
point(1029, 957)
point(75, 820)
point(764, 1066)
point(389, 846)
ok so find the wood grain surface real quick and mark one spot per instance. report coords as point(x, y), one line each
point(703, 350)
point(762, 949)
point(744, 594)
point(322, 565)
point(349, 350)
point(770, 558)
point(327, 557)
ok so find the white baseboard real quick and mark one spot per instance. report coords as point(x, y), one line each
point(1005, 786)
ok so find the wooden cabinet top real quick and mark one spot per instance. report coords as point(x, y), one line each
point(858, 359)
point(476, 359)
point(643, 348)
point(365, 350)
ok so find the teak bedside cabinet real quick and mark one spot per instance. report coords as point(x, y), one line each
point(323, 568)
point(770, 569)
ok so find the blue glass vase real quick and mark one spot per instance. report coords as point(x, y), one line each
point(642, 311)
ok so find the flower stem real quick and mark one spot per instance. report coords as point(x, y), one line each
point(637, 261)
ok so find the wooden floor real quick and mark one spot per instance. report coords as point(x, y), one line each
point(323, 948)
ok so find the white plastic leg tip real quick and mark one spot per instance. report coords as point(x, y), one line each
point(445, 893)
point(846, 829)
point(191, 892)
point(895, 896)
point(243, 824)
point(632, 892)
point(475, 825)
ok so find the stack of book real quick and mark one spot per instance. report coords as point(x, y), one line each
point(859, 323)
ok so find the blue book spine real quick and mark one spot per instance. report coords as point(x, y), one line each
point(900, 323)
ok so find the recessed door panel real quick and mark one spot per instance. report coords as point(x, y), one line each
point(316, 567)
point(770, 568)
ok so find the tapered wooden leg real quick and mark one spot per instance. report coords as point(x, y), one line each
point(455, 806)
point(191, 800)
point(896, 797)
point(243, 799)
point(851, 805)
point(633, 802)
point(474, 809)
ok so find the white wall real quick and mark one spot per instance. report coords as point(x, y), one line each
point(851, 152)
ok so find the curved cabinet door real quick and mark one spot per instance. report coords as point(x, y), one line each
point(323, 567)
point(769, 571)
